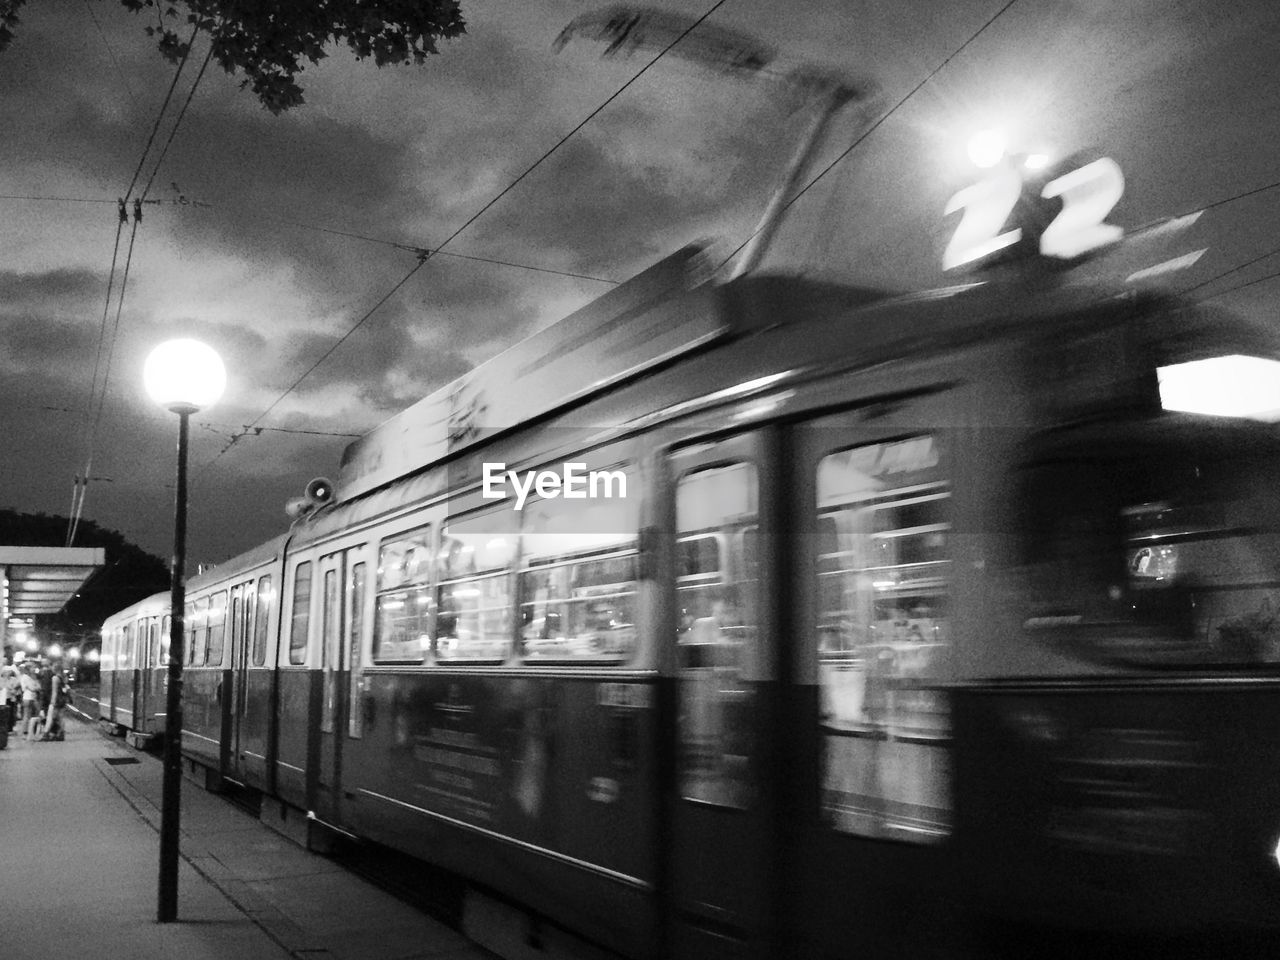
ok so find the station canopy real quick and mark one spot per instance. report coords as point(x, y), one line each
point(42, 579)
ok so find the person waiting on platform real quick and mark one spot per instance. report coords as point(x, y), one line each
point(10, 696)
point(30, 702)
point(57, 699)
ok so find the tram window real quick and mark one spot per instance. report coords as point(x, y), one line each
point(698, 557)
point(882, 566)
point(299, 628)
point(355, 641)
point(330, 638)
point(217, 627)
point(403, 620)
point(716, 520)
point(197, 644)
point(579, 576)
point(1154, 546)
point(262, 623)
point(579, 605)
point(237, 618)
point(189, 632)
point(473, 589)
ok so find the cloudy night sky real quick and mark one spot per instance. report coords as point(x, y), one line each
point(271, 237)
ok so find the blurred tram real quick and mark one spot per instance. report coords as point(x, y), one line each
point(938, 625)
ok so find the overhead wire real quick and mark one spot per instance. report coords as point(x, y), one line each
point(106, 347)
point(410, 248)
point(325, 356)
point(155, 127)
point(21, 196)
point(1241, 286)
point(110, 51)
point(178, 122)
point(76, 488)
point(102, 393)
point(1226, 273)
point(210, 424)
point(875, 126)
point(301, 225)
point(425, 254)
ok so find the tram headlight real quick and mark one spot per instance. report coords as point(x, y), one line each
point(1233, 386)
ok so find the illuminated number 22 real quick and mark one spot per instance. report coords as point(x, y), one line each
point(1088, 195)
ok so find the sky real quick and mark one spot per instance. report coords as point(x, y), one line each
point(272, 237)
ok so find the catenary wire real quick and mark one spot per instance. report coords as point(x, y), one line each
point(88, 5)
point(80, 487)
point(1241, 286)
point(1227, 273)
point(178, 122)
point(155, 127)
point(875, 126)
point(426, 254)
point(102, 394)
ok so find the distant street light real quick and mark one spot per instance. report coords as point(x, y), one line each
point(183, 376)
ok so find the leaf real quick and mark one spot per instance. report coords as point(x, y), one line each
point(267, 44)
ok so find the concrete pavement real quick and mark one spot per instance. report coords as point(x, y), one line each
point(79, 845)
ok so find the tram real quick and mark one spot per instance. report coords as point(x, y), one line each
point(785, 618)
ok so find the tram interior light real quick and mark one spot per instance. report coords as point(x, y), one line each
point(1233, 386)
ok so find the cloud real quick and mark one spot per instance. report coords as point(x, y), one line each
point(40, 322)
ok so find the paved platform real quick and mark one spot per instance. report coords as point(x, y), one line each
point(79, 831)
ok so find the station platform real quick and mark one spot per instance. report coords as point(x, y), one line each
point(80, 823)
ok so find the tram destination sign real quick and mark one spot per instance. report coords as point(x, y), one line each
point(658, 314)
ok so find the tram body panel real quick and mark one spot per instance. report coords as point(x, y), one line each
point(1144, 808)
point(157, 684)
point(252, 749)
point(202, 716)
point(298, 699)
point(548, 777)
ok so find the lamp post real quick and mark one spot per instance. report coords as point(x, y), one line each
point(183, 376)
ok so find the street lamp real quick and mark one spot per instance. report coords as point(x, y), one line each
point(183, 376)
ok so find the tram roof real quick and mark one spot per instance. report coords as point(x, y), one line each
point(664, 318)
point(749, 327)
point(241, 563)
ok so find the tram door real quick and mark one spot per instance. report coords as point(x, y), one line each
point(143, 670)
point(342, 585)
point(871, 568)
point(121, 694)
point(723, 868)
point(138, 676)
point(243, 601)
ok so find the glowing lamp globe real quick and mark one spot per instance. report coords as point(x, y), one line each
point(987, 148)
point(184, 375)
